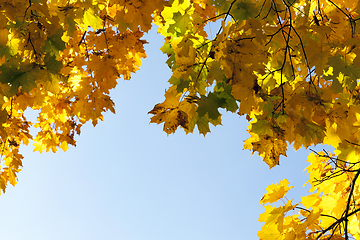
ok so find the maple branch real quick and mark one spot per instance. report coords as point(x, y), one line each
point(352, 143)
point(30, 3)
point(271, 72)
point(287, 40)
point(217, 16)
point(326, 215)
point(346, 213)
point(82, 38)
point(267, 14)
point(268, 35)
point(336, 171)
point(273, 35)
point(339, 9)
point(287, 45)
point(305, 56)
point(257, 15)
point(351, 198)
point(350, 18)
point(319, 11)
point(337, 222)
point(11, 107)
point(333, 226)
point(307, 210)
point(106, 41)
point(335, 160)
point(325, 178)
point(211, 48)
point(227, 13)
point(32, 45)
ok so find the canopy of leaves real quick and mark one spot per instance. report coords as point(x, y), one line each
point(291, 67)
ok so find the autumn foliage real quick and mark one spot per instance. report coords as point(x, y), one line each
point(291, 67)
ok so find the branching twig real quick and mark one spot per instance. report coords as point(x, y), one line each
point(82, 38)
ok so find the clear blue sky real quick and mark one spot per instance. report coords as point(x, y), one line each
point(128, 180)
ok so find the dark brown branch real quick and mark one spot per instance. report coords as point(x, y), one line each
point(273, 35)
point(32, 45)
point(211, 48)
point(339, 221)
point(217, 16)
point(346, 213)
point(350, 18)
point(82, 38)
point(306, 59)
point(30, 3)
point(287, 40)
point(257, 15)
point(352, 143)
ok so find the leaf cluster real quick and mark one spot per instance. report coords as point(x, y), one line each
point(290, 67)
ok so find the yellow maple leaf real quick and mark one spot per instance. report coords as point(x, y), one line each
point(310, 200)
point(275, 192)
point(39, 146)
point(64, 146)
point(270, 232)
point(335, 203)
point(270, 149)
point(171, 117)
point(354, 226)
point(312, 219)
point(274, 217)
point(92, 20)
point(11, 175)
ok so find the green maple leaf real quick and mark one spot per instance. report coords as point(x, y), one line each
point(167, 49)
point(52, 64)
point(261, 127)
point(243, 10)
point(209, 105)
point(24, 76)
point(71, 26)
point(122, 25)
point(5, 50)
point(181, 84)
point(182, 24)
point(223, 91)
point(54, 43)
point(343, 74)
point(177, 18)
point(203, 125)
point(223, 4)
point(26, 80)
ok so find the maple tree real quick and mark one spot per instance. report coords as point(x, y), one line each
point(290, 66)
